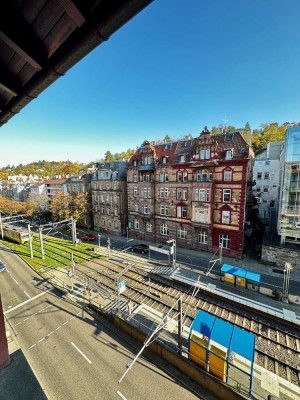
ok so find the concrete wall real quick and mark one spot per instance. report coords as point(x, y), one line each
point(213, 385)
point(278, 256)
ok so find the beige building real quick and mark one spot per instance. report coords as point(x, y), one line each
point(109, 198)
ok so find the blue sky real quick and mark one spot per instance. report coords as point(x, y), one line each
point(177, 66)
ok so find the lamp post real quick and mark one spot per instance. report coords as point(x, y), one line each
point(173, 242)
point(99, 243)
point(286, 282)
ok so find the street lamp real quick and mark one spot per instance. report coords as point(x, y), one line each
point(286, 282)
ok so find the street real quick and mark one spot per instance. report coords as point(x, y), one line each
point(74, 355)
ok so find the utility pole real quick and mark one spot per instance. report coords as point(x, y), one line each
point(108, 246)
point(286, 282)
point(1, 226)
point(179, 349)
point(41, 242)
point(30, 241)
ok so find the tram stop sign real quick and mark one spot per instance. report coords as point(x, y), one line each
point(122, 286)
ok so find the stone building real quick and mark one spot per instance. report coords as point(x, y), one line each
point(193, 191)
point(109, 198)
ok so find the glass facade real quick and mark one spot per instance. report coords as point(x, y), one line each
point(289, 213)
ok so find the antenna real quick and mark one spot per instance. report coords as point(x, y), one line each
point(225, 121)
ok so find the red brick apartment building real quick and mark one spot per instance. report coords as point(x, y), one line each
point(193, 191)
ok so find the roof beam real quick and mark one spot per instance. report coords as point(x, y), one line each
point(73, 12)
point(21, 40)
point(8, 82)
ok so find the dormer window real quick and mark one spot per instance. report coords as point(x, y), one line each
point(228, 154)
point(182, 158)
point(164, 160)
point(168, 146)
point(204, 154)
point(134, 163)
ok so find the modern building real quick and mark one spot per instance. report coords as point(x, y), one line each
point(289, 201)
point(266, 175)
point(53, 186)
point(109, 198)
point(193, 191)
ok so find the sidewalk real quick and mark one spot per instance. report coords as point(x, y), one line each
point(205, 257)
point(17, 380)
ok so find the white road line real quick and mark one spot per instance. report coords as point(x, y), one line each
point(65, 323)
point(15, 281)
point(31, 346)
point(27, 295)
point(27, 301)
point(50, 333)
point(7, 270)
point(18, 323)
point(121, 395)
point(83, 355)
point(41, 340)
point(58, 328)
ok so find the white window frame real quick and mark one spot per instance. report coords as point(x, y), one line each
point(136, 224)
point(224, 241)
point(226, 193)
point(228, 175)
point(164, 230)
point(226, 217)
point(148, 227)
point(181, 233)
point(135, 191)
point(203, 237)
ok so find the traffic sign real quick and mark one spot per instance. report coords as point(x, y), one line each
point(122, 286)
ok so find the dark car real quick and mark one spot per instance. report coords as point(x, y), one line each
point(88, 238)
point(2, 267)
point(140, 248)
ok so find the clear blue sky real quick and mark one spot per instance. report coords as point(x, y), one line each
point(177, 66)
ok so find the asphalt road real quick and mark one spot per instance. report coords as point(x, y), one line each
point(73, 355)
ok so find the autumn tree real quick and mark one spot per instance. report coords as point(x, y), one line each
point(35, 204)
point(67, 205)
point(11, 206)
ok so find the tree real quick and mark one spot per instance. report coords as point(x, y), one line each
point(35, 204)
point(108, 157)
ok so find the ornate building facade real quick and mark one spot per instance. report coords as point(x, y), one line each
point(193, 191)
point(109, 198)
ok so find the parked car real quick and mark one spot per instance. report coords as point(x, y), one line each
point(88, 238)
point(2, 267)
point(140, 248)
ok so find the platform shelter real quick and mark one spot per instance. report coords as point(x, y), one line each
point(240, 277)
point(223, 349)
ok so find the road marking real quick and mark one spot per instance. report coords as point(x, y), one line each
point(121, 395)
point(58, 328)
point(7, 270)
point(27, 295)
point(41, 340)
point(31, 346)
point(83, 355)
point(65, 323)
point(27, 301)
point(50, 333)
point(15, 280)
point(18, 323)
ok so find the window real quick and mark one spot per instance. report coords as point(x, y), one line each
point(207, 154)
point(224, 241)
point(181, 233)
point(267, 175)
point(225, 217)
point(228, 175)
point(108, 211)
point(266, 189)
point(135, 191)
point(202, 237)
point(202, 154)
point(146, 209)
point(163, 177)
point(182, 158)
point(135, 178)
point(182, 176)
point(164, 160)
point(201, 215)
point(136, 224)
point(146, 193)
point(134, 163)
point(226, 195)
point(164, 230)
point(116, 212)
point(182, 194)
point(228, 155)
point(164, 193)
point(168, 146)
point(179, 176)
point(181, 212)
point(202, 195)
point(259, 175)
point(136, 207)
point(148, 227)
point(116, 224)
point(164, 210)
